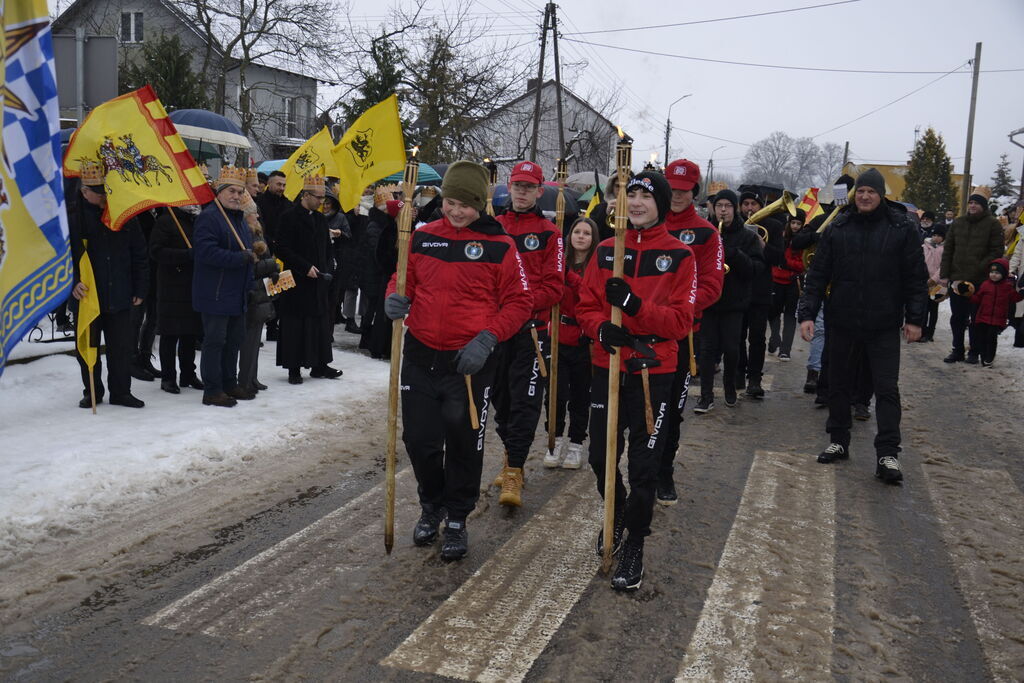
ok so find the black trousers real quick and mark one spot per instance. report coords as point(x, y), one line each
point(750, 364)
point(573, 392)
point(784, 300)
point(986, 339)
point(249, 354)
point(677, 400)
point(719, 336)
point(519, 394)
point(144, 326)
point(184, 347)
point(882, 350)
point(644, 449)
point(222, 338)
point(116, 329)
point(961, 318)
point(932, 319)
point(445, 451)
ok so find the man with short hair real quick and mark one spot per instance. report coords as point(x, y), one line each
point(519, 387)
point(870, 261)
point(973, 241)
point(272, 203)
point(252, 182)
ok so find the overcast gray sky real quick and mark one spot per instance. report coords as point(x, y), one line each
point(742, 104)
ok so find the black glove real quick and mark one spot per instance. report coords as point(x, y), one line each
point(610, 335)
point(618, 293)
point(471, 358)
point(326, 277)
point(275, 276)
point(396, 306)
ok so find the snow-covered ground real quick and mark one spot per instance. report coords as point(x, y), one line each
point(61, 467)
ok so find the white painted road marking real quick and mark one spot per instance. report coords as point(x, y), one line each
point(496, 624)
point(984, 533)
point(239, 602)
point(775, 581)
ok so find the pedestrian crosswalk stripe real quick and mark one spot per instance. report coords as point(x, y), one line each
point(770, 609)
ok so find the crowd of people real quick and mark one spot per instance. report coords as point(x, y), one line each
point(716, 295)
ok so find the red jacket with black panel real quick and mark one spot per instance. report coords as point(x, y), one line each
point(706, 244)
point(540, 246)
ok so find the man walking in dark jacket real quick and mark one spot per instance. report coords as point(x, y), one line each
point(871, 258)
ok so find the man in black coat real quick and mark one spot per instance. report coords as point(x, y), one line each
point(306, 328)
point(121, 270)
point(871, 258)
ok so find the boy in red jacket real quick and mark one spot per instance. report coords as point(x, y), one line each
point(992, 303)
point(656, 295)
point(519, 387)
point(465, 292)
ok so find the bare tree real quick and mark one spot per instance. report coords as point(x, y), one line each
point(806, 161)
point(769, 160)
point(830, 164)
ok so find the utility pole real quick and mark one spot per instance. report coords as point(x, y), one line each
point(540, 81)
point(1019, 131)
point(558, 82)
point(965, 186)
point(846, 154)
point(668, 125)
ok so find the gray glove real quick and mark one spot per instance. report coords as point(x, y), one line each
point(396, 306)
point(471, 358)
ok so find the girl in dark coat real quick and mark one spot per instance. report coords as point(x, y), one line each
point(377, 326)
point(178, 324)
point(259, 308)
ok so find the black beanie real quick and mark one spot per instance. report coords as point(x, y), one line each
point(729, 196)
point(940, 229)
point(979, 198)
point(873, 179)
point(751, 195)
point(653, 183)
point(928, 215)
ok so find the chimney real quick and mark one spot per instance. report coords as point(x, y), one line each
point(531, 84)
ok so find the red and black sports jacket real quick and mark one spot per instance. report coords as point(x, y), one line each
point(462, 281)
point(569, 327)
point(706, 244)
point(661, 271)
point(540, 246)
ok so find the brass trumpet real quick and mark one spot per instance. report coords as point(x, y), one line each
point(725, 266)
point(783, 203)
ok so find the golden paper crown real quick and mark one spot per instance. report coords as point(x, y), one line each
point(251, 174)
point(384, 193)
point(313, 183)
point(984, 190)
point(231, 175)
point(248, 203)
point(428, 191)
point(92, 173)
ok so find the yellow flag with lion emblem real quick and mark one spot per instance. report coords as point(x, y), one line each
point(371, 149)
point(314, 157)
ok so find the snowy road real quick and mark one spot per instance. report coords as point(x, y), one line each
point(256, 551)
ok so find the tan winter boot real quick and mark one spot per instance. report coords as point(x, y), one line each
point(512, 487)
point(500, 479)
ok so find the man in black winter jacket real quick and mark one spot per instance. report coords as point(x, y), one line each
point(871, 258)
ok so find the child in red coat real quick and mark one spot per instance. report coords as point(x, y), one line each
point(993, 300)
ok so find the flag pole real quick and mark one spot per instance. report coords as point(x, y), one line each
point(228, 221)
point(556, 313)
point(624, 162)
point(412, 169)
point(170, 210)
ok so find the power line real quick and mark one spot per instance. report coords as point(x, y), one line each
point(711, 21)
point(898, 99)
point(713, 137)
point(770, 66)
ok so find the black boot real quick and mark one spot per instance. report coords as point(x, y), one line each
point(754, 389)
point(425, 531)
point(170, 386)
point(456, 540)
point(955, 356)
point(630, 571)
point(811, 383)
point(618, 529)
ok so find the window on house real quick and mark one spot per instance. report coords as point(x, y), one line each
point(131, 27)
point(291, 122)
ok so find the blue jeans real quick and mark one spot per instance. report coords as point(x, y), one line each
point(222, 338)
point(817, 342)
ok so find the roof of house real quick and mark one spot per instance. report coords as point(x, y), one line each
point(532, 94)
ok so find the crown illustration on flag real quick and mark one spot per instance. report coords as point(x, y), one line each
point(313, 183)
point(232, 175)
point(92, 173)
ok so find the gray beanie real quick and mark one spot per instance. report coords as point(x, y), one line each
point(873, 179)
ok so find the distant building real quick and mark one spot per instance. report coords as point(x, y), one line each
point(507, 133)
point(281, 104)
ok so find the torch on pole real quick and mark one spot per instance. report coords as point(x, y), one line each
point(556, 312)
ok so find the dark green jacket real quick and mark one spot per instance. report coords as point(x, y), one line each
point(972, 243)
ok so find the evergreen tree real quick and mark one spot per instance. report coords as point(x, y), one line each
point(1003, 184)
point(383, 78)
point(929, 177)
point(164, 64)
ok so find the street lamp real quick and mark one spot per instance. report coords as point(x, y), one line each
point(711, 168)
point(668, 123)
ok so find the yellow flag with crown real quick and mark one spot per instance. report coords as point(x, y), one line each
point(314, 157)
point(372, 148)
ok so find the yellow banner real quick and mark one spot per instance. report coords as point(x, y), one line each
point(88, 310)
point(371, 149)
point(314, 157)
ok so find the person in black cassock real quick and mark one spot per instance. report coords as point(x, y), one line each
point(306, 328)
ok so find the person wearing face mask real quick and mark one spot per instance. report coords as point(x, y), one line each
point(519, 386)
point(465, 292)
point(656, 295)
point(303, 245)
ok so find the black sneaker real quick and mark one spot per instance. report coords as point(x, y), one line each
point(730, 398)
point(140, 373)
point(820, 401)
point(783, 356)
point(704, 405)
point(665, 492)
point(888, 470)
point(425, 532)
point(972, 359)
point(861, 412)
point(754, 389)
point(774, 344)
point(326, 372)
point(954, 357)
point(833, 452)
point(630, 572)
point(128, 401)
point(986, 363)
point(811, 383)
point(618, 529)
point(456, 541)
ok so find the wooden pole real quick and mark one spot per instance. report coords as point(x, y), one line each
point(493, 169)
point(231, 226)
point(965, 185)
point(412, 169)
point(693, 356)
point(170, 210)
point(474, 420)
point(556, 314)
point(540, 354)
point(624, 160)
point(92, 388)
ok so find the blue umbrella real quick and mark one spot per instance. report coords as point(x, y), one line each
point(207, 126)
point(427, 176)
point(270, 165)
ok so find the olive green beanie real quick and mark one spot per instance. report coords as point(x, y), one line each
point(466, 182)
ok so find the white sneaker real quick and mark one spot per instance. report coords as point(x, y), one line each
point(574, 458)
point(554, 458)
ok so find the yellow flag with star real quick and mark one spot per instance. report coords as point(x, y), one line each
point(372, 148)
